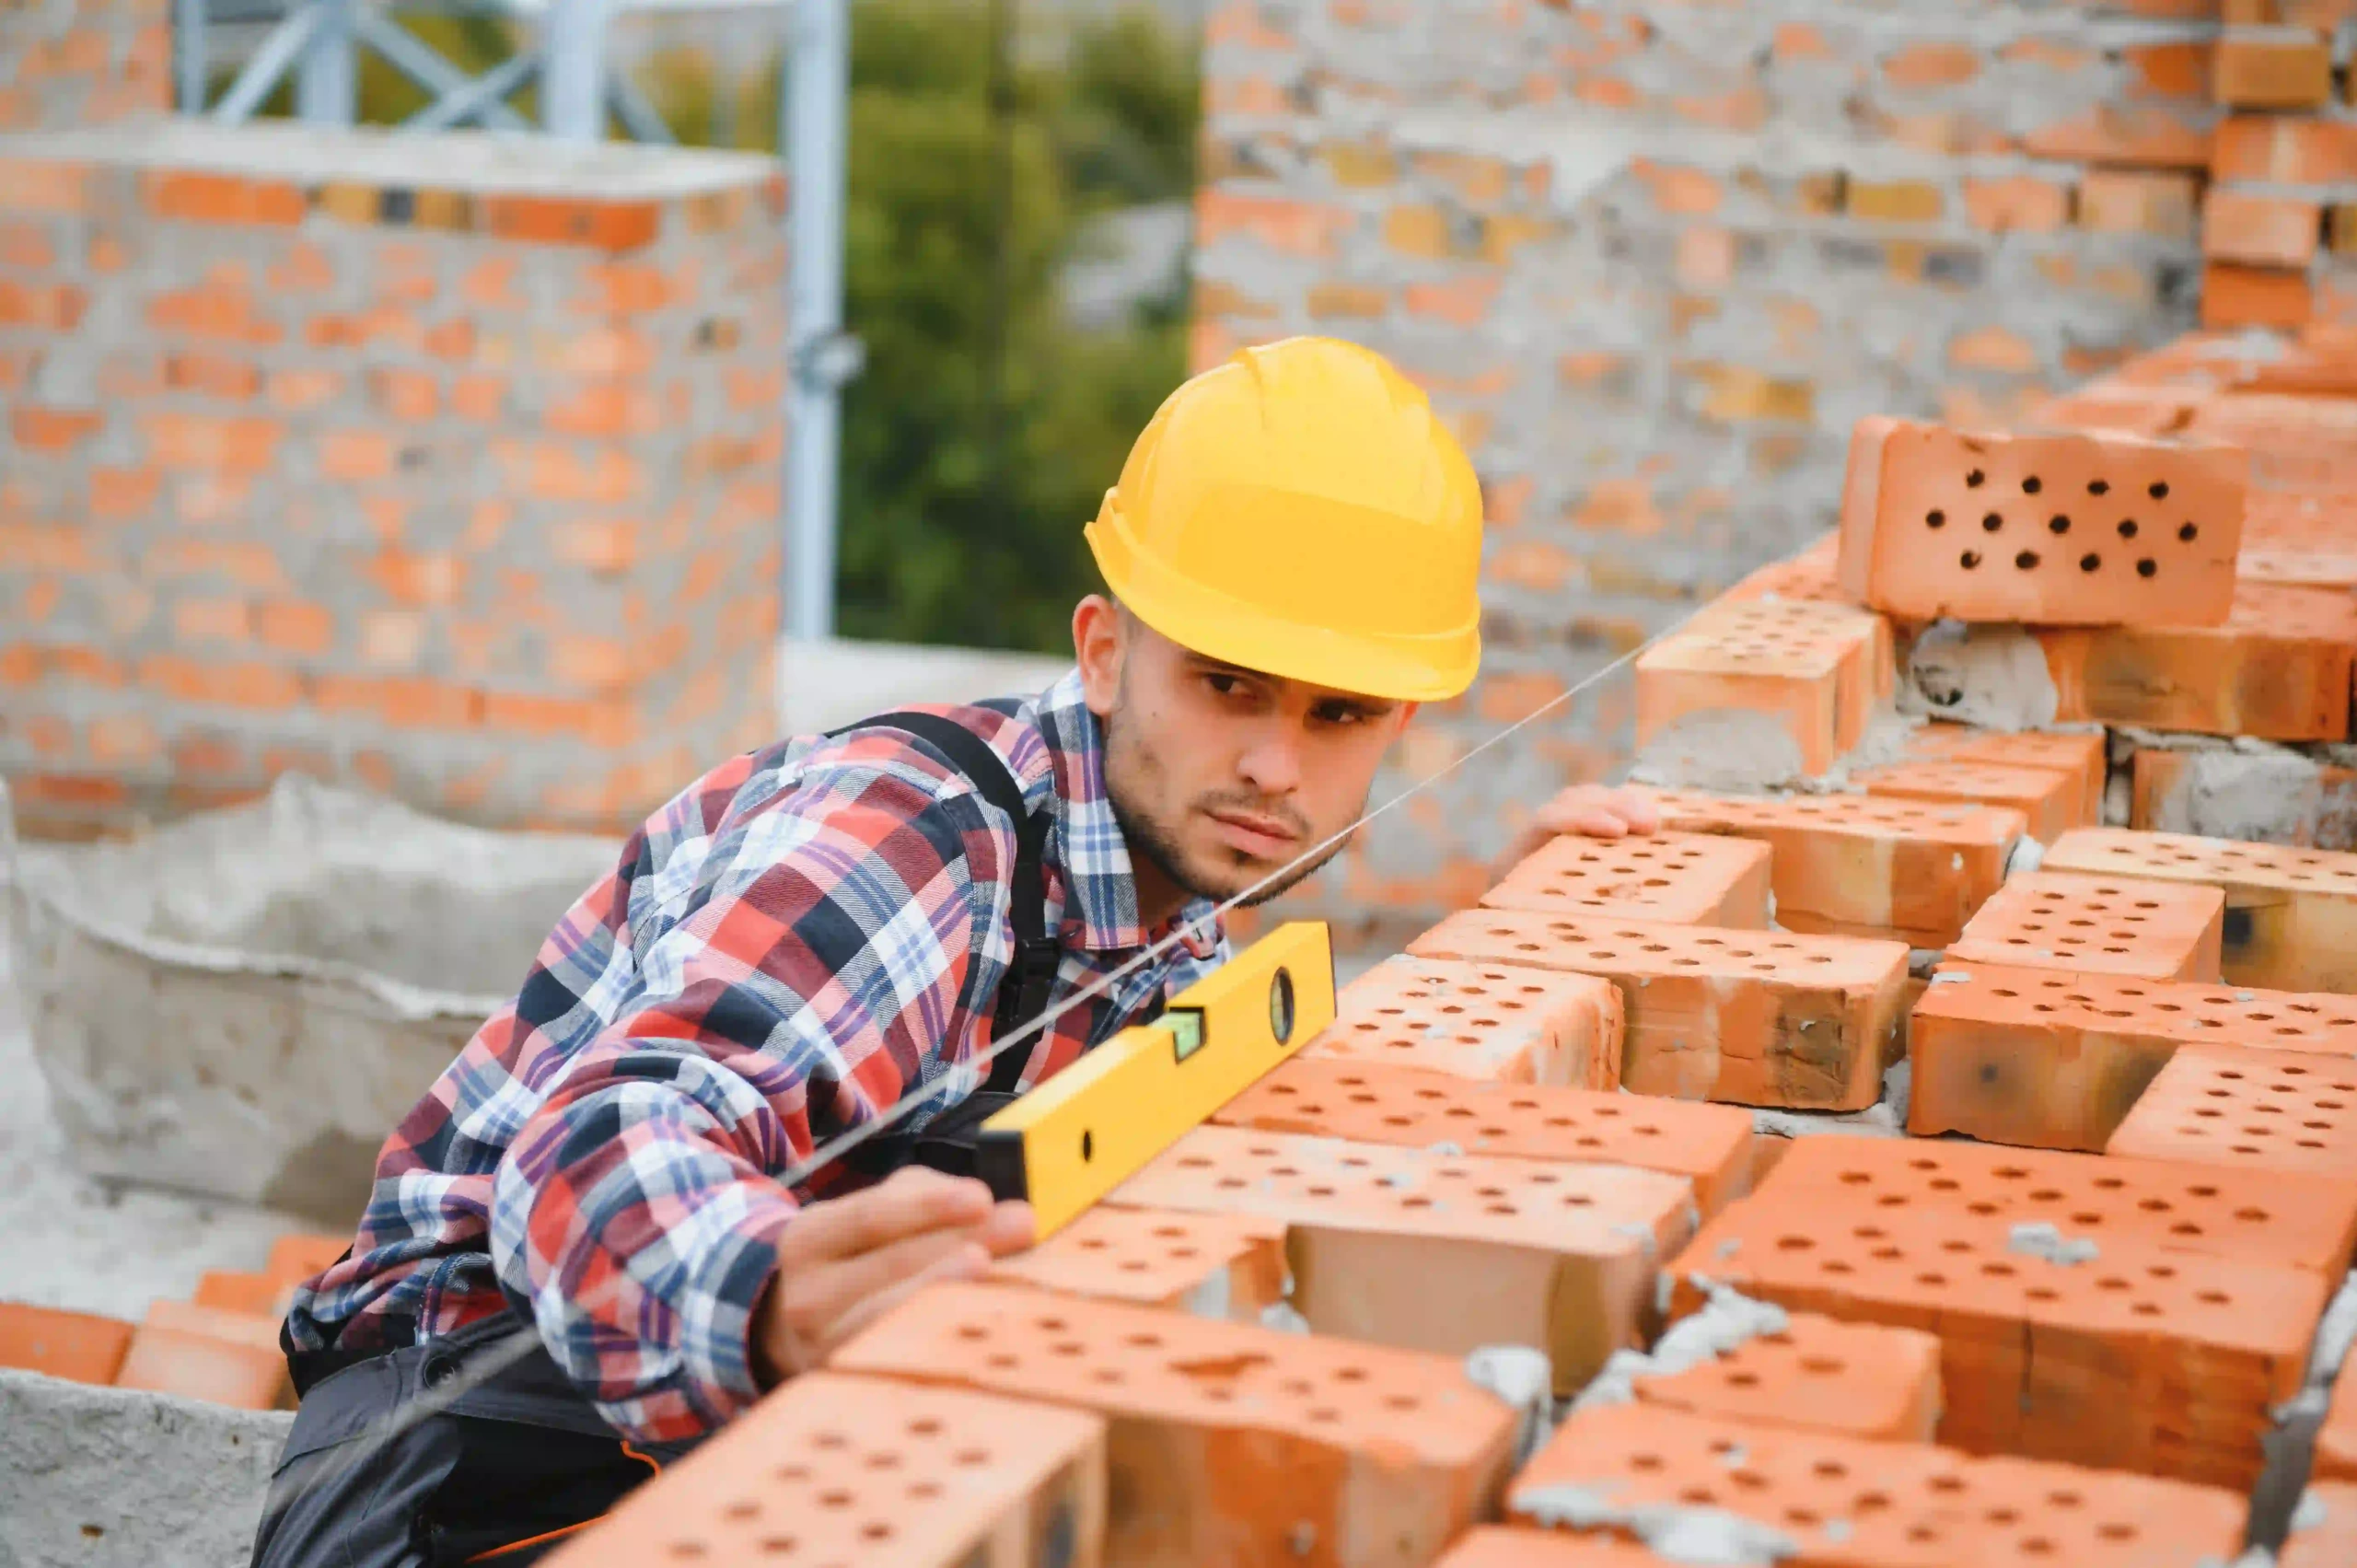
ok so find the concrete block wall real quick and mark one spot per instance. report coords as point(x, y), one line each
point(66, 63)
point(1655, 261)
point(445, 465)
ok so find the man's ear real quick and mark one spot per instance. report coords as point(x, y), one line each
point(1098, 642)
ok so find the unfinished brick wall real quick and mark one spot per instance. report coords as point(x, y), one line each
point(67, 62)
point(449, 465)
point(1655, 260)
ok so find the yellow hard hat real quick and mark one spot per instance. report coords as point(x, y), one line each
point(1300, 511)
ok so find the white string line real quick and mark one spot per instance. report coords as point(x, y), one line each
point(521, 1342)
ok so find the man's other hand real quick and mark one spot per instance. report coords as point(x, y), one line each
point(1596, 811)
point(843, 1261)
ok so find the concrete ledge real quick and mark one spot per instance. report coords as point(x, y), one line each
point(824, 683)
point(97, 1477)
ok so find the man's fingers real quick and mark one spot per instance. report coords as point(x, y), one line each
point(817, 1294)
point(1639, 810)
point(1010, 1228)
point(968, 1261)
point(913, 1201)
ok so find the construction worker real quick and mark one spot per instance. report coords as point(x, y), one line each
point(811, 932)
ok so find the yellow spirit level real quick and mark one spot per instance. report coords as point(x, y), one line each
point(1084, 1132)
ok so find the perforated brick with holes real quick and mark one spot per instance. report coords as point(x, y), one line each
point(2062, 529)
point(832, 1470)
point(2097, 925)
point(1479, 1021)
point(2078, 754)
point(1211, 1264)
point(1853, 865)
point(1843, 1501)
point(1752, 1017)
point(1708, 1144)
point(1811, 670)
point(1562, 1256)
point(2277, 669)
point(2136, 1356)
point(1691, 878)
point(2052, 802)
point(2235, 1105)
point(1858, 1379)
point(2291, 919)
point(2054, 1059)
point(1227, 1442)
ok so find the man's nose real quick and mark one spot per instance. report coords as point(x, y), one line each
point(1271, 764)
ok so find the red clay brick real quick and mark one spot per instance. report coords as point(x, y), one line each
point(1235, 1441)
point(2077, 755)
point(2262, 70)
point(841, 1469)
point(2261, 230)
point(198, 1366)
point(1846, 1502)
point(1561, 1256)
point(2097, 925)
point(1752, 1017)
point(255, 1294)
point(2068, 528)
point(2291, 920)
point(1479, 1021)
point(2235, 295)
point(1853, 866)
point(1815, 668)
point(79, 1346)
point(1506, 1546)
point(2241, 1105)
point(2051, 802)
point(2325, 1529)
point(2052, 1060)
point(1213, 1265)
point(248, 1329)
point(1710, 1145)
point(1691, 878)
point(1856, 1379)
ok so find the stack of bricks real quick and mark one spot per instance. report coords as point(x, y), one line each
point(2044, 1295)
point(69, 62)
point(220, 1346)
point(445, 465)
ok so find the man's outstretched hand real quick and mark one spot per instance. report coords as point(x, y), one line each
point(1598, 811)
point(843, 1261)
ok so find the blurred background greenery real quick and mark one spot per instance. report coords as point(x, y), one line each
point(990, 156)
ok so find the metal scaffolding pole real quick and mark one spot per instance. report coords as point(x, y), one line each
point(817, 132)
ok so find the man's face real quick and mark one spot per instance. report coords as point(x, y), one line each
point(1222, 777)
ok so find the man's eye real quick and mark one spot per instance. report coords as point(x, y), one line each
point(1341, 715)
point(1226, 685)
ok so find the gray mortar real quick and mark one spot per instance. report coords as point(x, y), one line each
point(2335, 1333)
point(93, 1477)
point(1523, 1377)
point(1727, 1322)
point(1994, 677)
point(1729, 750)
point(1675, 1533)
point(2250, 790)
point(2038, 1239)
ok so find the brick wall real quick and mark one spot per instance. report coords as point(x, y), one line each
point(67, 62)
point(1655, 260)
point(449, 465)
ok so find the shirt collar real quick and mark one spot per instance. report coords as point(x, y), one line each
point(1100, 881)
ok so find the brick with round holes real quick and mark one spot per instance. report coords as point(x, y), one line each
point(2271, 1111)
point(2079, 754)
point(2097, 925)
point(1846, 1502)
point(1691, 878)
point(2068, 528)
point(1477, 1021)
point(1860, 1379)
point(836, 1470)
point(81, 1347)
point(2279, 668)
point(1211, 1264)
point(1753, 1017)
point(1561, 1256)
point(2051, 802)
point(2291, 920)
point(1849, 864)
point(1710, 1145)
point(1796, 617)
point(2143, 1358)
point(2285, 1218)
point(2324, 1532)
point(1226, 1442)
point(1511, 1545)
point(1807, 668)
point(2051, 1059)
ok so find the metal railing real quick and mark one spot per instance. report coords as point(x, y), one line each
point(564, 53)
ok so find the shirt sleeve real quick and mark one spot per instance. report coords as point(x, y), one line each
point(815, 971)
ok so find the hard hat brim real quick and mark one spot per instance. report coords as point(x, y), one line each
point(1395, 668)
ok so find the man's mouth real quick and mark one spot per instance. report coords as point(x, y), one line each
point(1263, 837)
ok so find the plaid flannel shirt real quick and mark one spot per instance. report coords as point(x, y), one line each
point(793, 943)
